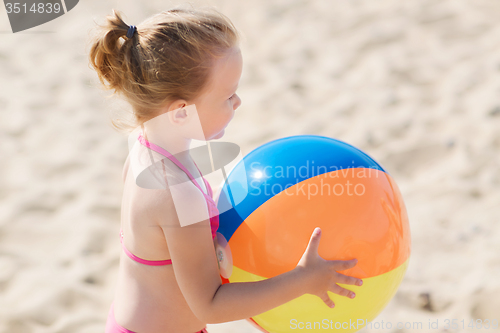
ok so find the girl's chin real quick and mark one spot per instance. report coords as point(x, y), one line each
point(219, 135)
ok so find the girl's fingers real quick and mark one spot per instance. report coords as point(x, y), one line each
point(327, 300)
point(344, 279)
point(340, 265)
point(342, 291)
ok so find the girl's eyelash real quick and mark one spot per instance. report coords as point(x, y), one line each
point(231, 96)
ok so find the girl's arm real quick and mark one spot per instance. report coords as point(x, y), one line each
point(241, 300)
point(195, 267)
point(312, 275)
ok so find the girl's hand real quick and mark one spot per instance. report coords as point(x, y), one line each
point(321, 275)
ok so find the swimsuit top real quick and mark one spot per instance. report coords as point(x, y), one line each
point(212, 207)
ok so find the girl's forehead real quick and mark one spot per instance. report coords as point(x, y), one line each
point(226, 73)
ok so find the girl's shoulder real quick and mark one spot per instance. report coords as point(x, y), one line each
point(168, 196)
point(152, 170)
point(181, 203)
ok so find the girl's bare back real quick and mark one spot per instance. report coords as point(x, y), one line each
point(148, 298)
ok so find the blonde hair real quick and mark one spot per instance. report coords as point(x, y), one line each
point(168, 58)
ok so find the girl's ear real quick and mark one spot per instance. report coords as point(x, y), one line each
point(178, 116)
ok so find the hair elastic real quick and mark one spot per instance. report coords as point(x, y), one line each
point(131, 31)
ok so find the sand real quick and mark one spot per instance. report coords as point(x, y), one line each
point(415, 84)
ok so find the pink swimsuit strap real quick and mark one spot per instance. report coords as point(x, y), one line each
point(143, 261)
point(171, 157)
point(212, 207)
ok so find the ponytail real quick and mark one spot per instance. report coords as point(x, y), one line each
point(111, 55)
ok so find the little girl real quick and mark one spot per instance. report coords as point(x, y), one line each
point(179, 70)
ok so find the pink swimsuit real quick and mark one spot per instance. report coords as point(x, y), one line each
point(111, 325)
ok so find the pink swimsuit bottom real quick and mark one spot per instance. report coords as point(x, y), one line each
point(111, 325)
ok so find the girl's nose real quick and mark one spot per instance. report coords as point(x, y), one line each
point(237, 102)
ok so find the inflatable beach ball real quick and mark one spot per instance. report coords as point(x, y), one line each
point(274, 198)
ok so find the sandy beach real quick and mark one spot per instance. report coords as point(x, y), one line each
point(415, 84)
